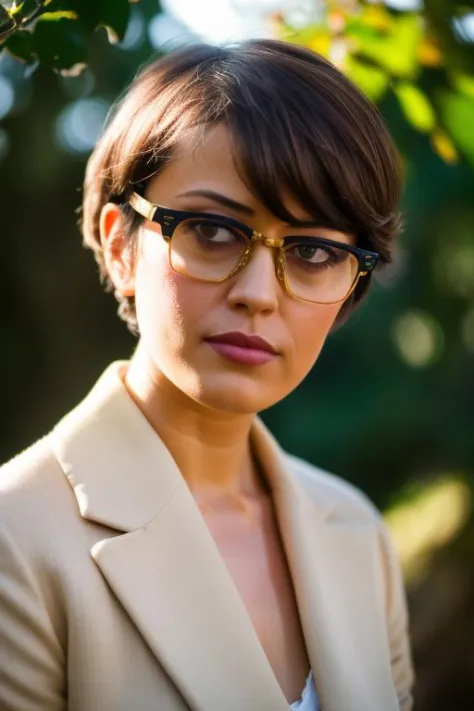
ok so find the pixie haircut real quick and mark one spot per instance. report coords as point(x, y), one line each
point(298, 126)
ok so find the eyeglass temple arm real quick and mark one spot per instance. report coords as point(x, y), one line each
point(142, 206)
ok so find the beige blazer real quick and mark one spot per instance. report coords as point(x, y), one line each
point(114, 597)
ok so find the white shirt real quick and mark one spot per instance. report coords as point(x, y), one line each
point(309, 697)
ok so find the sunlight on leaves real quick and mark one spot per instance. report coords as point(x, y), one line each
point(372, 80)
point(444, 147)
point(463, 83)
point(15, 9)
point(426, 519)
point(397, 51)
point(59, 15)
point(429, 53)
point(321, 42)
point(377, 16)
point(384, 51)
point(416, 106)
point(457, 111)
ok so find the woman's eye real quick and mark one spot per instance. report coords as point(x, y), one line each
point(312, 254)
point(213, 232)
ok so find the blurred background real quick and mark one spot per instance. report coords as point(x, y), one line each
point(390, 403)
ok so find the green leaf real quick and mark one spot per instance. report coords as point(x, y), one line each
point(60, 44)
point(15, 9)
point(457, 112)
point(20, 45)
point(112, 14)
point(373, 81)
point(416, 106)
point(7, 23)
point(397, 51)
point(464, 83)
point(59, 15)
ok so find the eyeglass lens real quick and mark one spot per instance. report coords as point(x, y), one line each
point(209, 250)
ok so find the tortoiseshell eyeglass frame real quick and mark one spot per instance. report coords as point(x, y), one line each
point(169, 219)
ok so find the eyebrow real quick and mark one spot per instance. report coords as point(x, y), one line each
point(221, 199)
point(244, 209)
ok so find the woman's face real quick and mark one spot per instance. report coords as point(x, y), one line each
point(176, 315)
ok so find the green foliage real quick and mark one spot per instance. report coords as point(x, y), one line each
point(416, 106)
point(458, 114)
point(56, 33)
point(419, 58)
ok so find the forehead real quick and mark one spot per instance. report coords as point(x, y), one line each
point(207, 159)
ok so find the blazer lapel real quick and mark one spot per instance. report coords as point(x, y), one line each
point(334, 561)
point(164, 567)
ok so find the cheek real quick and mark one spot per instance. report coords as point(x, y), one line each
point(168, 305)
point(310, 327)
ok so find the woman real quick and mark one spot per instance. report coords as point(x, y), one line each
point(159, 550)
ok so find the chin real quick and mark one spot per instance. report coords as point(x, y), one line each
point(233, 393)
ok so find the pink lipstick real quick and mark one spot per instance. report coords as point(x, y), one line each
point(248, 350)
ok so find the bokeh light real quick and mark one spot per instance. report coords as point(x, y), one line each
point(166, 30)
point(418, 338)
point(78, 86)
point(218, 21)
point(427, 519)
point(464, 27)
point(467, 330)
point(7, 96)
point(79, 124)
point(405, 5)
point(135, 30)
point(454, 264)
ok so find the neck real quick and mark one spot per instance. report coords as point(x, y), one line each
point(211, 448)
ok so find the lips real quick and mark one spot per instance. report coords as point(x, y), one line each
point(235, 338)
point(242, 349)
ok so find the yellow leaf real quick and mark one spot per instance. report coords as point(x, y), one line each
point(14, 9)
point(444, 147)
point(429, 54)
point(321, 43)
point(376, 16)
point(59, 15)
point(416, 106)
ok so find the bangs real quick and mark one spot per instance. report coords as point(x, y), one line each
point(310, 135)
point(293, 169)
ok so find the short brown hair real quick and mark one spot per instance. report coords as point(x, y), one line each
point(297, 123)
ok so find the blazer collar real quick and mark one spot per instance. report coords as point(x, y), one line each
point(123, 474)
point(169, 576)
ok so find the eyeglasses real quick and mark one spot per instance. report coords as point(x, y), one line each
point(213, 248)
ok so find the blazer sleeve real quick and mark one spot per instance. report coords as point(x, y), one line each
point(31, 657)
point(397, 624)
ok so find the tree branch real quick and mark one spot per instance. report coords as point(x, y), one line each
point(24, 22)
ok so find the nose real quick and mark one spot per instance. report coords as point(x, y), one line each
point(256, 287)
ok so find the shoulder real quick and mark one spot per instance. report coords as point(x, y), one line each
point(28, 473)
point(35, 495)
point(332, 491)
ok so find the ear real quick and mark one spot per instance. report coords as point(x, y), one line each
point(118, 255)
